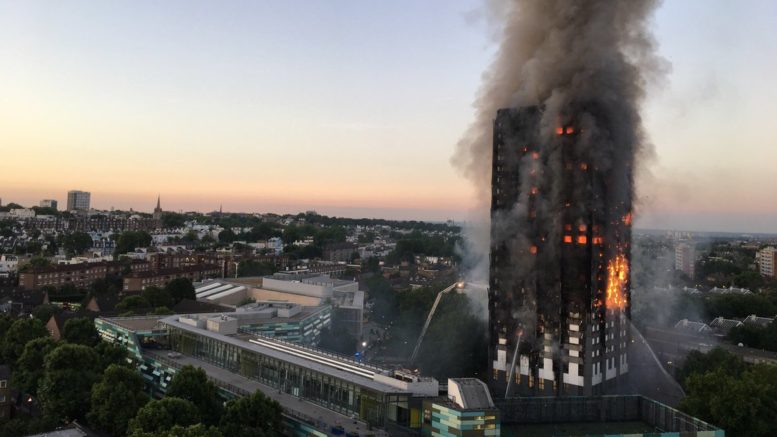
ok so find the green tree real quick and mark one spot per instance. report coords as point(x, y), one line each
point(17, 336)
point(131, 240)
point(162, 311)
point(198, 430)
point(173, 220)
point(45, 311)
point(227, 236)
point(81, 330)
point(161, 415)
point(192, 384)
point(5, 324)
point(116, 399)
point(255, 268)
point(181, 288)
point(743, 405)
point(701, 363)
point(69, 371)
point(29, 366)
point(252, 416)
point(76, 242)
point(39, 262)
point(109, 354)
point(133, 303)
point(157, 297)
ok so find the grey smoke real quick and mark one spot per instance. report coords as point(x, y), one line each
point(589, 59)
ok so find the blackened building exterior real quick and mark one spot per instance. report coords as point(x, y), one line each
point(558, 283)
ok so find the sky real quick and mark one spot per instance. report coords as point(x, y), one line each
point(350, 108)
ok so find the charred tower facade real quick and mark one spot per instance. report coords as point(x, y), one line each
point(559, 262)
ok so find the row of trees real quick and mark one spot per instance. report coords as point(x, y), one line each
point(417, 243)
point(160, 300)
point(84, 379)
point(723, 390)
point(665, 308)
point(58, 376)
point(755, 336)
point(192, 407)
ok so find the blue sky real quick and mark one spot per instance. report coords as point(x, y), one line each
point(348, 107)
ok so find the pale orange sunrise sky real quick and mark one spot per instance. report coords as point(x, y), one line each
point(346, 108)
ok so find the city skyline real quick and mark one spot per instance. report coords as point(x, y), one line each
point(276, 107)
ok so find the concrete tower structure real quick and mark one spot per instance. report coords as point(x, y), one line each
point(559, 271)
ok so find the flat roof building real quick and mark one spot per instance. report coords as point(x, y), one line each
point(304, 288)
point(332, 382)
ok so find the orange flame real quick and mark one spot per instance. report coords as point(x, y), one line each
point(617, 278)
point(627, 219)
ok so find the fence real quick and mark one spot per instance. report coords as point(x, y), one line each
point(624, 408)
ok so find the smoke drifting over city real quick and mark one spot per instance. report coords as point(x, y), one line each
point(585, 64)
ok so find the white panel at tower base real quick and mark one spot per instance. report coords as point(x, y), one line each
point(501, 360)
point(572, 377)
point(525, 365)
point(546, 372)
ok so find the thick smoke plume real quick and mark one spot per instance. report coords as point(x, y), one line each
point(586, 62)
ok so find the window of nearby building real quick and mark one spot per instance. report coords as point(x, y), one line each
point(3, 383)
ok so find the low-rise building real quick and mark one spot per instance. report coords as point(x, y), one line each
point(321, 390)
point(159, 278)
point(339, 252)
point(468, 411)
point(48, 203)
point(80, 275)
point(722, 325)
point(761, 322)
point(9, 265)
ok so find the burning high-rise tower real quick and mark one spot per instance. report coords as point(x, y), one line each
point(559, 267)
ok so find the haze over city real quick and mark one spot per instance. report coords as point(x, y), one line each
point(349, 109)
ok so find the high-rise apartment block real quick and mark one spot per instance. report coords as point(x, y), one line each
point(685, 259)
point(767, 260)
point(48, 203)
point(559, 271)
point(78, 200)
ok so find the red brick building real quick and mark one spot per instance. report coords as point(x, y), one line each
point(142, 280)
point(80, 275)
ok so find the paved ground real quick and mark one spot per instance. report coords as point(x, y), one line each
point(324, 418)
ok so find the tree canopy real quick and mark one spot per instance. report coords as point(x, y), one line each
point(181, 288)
point(81, 330)
point(128, 241)
point(158, 297)
point(252, 416)
point(17, 336)
point(68, 375)
point(159, 416)
point(192, 384)
point(742, 400)
point(76, 242)
point(116, 399)
point(29, 368)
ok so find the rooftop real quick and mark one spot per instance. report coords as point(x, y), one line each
point(469, 393)
point(334, 365)
point(140, 323)
point(173, 271)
